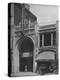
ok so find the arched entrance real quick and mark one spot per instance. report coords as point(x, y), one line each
point(26, 48)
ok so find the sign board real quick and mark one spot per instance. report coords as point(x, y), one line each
point(46, 55)
point(26, 54)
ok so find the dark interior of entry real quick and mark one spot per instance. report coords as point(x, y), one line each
point(26, 63)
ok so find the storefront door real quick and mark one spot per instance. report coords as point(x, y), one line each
point(26, 64)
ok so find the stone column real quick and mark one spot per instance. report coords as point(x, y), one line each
point(34, 56)
point(12, 36)
point(38, 40)
point(57, 44)
point(34, 60)
point(16, 60)
point(15, 53)
point(12, 24)
point(29, 26)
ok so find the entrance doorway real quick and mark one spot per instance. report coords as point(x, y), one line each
point(26, 64)
point(26, 55)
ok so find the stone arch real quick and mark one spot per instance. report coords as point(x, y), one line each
point(26, 49)
point(26, 39)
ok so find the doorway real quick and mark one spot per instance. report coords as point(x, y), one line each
point(26, 55)
point(26, 64)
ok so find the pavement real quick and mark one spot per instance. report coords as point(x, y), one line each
point(21, 74)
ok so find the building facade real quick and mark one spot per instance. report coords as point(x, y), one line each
point(48, 49)
point(28, 42)
point(23, 39)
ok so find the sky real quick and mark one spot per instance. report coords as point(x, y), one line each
point(46, 14)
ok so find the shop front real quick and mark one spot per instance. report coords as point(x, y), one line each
point(45, 60)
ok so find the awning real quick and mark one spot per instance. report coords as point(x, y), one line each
point(47, 55)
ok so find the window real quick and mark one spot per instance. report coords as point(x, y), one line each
point(40, 40)
point(54, 38)
point(47, 39)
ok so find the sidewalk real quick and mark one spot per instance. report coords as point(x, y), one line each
point(20, 74)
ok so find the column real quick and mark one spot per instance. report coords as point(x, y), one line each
point(12, 36)
point(15, 53)
point(42, 40)
point(34, 57)
point(38, 40)
point(57, 43)
point(33, 60)
point(51, 39)
point(29, 26)
point(22, 18)
point(12, 24)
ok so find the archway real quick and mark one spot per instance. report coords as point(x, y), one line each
point(26, 48)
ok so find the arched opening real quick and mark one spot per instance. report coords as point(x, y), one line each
point(26, 48)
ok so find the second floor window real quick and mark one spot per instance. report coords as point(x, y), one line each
point(47, 39)
point(40, 40)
